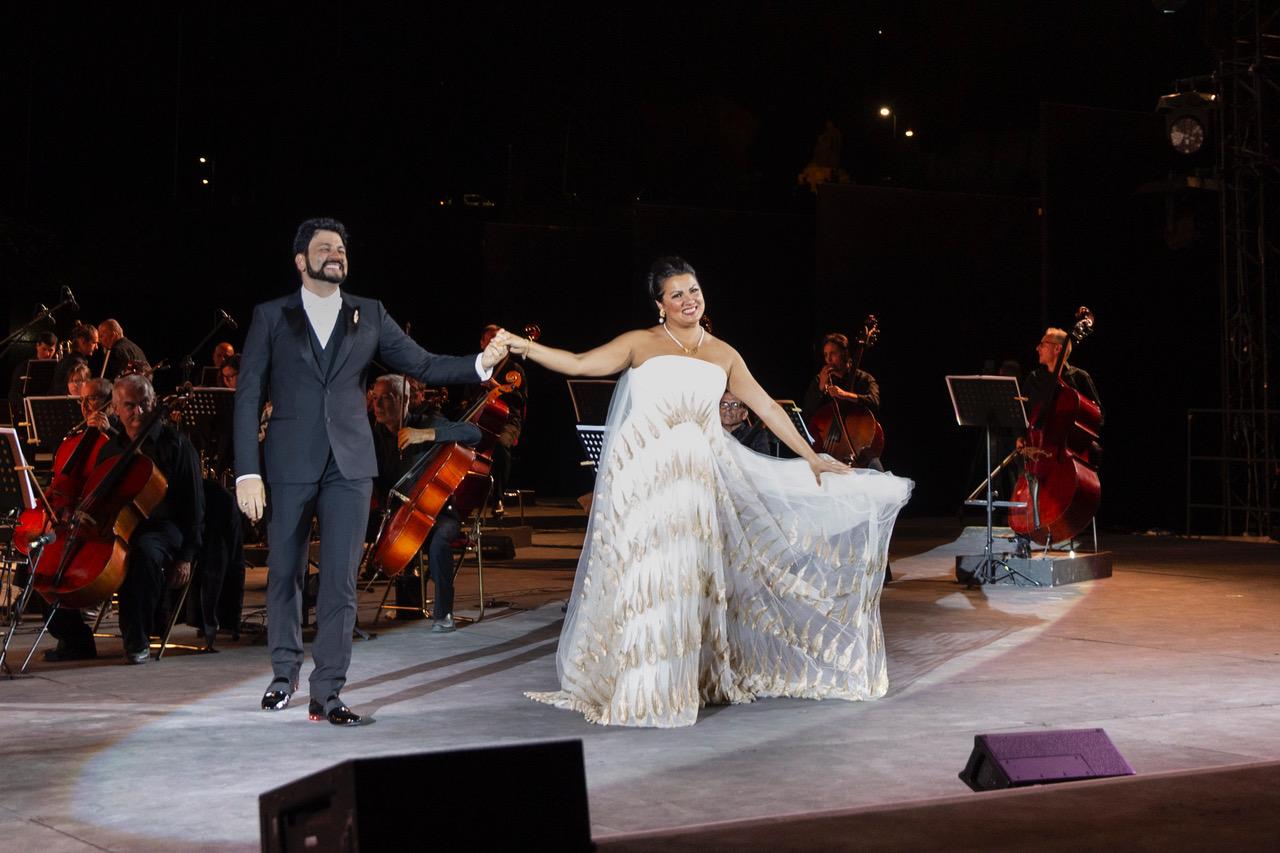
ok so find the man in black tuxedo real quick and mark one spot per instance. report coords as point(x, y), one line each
point(308, 353)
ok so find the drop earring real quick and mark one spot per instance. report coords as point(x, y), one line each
point(662, 315)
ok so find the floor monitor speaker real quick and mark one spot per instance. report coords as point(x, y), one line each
point(527, 796)
point(1038, 758)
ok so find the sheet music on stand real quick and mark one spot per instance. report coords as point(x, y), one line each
point(210, 377)
point(208, 408)
point(49, 419)
point(38, 376)
point(16, 491)
point(591, 398)
point(988, 401)
point(797, 418)
point(993, 403)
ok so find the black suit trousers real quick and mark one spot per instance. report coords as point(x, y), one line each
point(340, 506)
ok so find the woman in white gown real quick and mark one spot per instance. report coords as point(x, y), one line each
point(711, 574)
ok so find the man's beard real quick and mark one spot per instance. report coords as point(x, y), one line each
point(323, 275)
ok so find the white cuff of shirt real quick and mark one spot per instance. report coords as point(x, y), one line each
point(248, 477)
point(483, 372)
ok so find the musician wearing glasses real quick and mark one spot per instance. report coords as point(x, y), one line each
point(1040, 381)
point(735, 418)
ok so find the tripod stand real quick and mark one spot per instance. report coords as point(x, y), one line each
point(993, 403)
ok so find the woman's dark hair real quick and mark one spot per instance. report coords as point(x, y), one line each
point(308, 229)
point(83, 331)
point(664, 268)
point(232, 361)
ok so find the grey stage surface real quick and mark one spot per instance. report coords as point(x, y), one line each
point(1175, 656)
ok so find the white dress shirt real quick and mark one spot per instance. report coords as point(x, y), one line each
point(322, 312)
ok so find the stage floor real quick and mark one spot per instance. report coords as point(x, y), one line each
point(1175, 656)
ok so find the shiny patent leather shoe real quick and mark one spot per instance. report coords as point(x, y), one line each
point(278, 694)
point(338, 715)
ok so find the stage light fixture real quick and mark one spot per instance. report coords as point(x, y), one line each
point(204, 160)
point(204, 181)
point(885, 112)
point(1187, 119)
point(909, 133)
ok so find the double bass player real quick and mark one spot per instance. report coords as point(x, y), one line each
point(840, 380)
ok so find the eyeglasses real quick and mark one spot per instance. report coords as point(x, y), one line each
point(733, 405)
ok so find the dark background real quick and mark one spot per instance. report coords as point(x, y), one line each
point(607, 135)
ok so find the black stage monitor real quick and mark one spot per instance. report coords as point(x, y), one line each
point(528, 796)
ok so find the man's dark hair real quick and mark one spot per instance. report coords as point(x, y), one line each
point(49, 339)
point(308, 229)
point(664, 268)
point(83, 331)
point(232, 361)
point(838, 339)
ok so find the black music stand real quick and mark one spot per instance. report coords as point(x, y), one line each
point(591, 398)
point(995, 404)
point(207, 408)
point(38, 376)
point(210, 376)
point(16, 494)
point(591, 437)
point(49, 419)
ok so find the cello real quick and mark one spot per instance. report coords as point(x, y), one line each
point(1059, 484)
point(848, 430)
point(73, 462)
point(441, 474)
point(86, 563)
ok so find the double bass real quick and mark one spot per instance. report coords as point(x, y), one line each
point(848, 430)
point(446, 472)
point(1059, 483)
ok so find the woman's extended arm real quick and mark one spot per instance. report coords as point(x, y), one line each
point(745, 387)
point(604, 360)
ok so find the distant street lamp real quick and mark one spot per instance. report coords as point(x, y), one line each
point(885, 112)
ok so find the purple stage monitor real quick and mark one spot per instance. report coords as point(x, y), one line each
point(1039, 758)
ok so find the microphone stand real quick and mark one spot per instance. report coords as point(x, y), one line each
point(188, 361)
point(42, 314)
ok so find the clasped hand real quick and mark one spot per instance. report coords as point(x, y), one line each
point(496, 351)
point(511, 343)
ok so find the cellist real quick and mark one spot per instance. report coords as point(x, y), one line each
point(840, 380)
point(167, 540)
point(75, 639)
point(399, 437)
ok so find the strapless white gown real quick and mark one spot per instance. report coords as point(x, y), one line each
point(711, 574)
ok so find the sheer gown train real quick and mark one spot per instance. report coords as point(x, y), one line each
point(711, 574)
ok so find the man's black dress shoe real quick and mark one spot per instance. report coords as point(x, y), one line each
point(64, 652)
point(339, 714)
point(138, 657)
point(278, 694)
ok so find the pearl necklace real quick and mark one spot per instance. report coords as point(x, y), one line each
point(686, 350)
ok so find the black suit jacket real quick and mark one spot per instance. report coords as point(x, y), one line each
point(314, 413)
